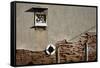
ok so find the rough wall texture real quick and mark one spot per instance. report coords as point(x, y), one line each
point(64, 22)
point(65, 52)
point(26, 57)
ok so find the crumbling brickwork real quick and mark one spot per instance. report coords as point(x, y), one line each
point(91, 46)
point(26, 57)
point(70, 52)
point(82, 50)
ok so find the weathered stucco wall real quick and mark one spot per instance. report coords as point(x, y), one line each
point(64, 22)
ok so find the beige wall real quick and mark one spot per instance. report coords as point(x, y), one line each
point(64, 22)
